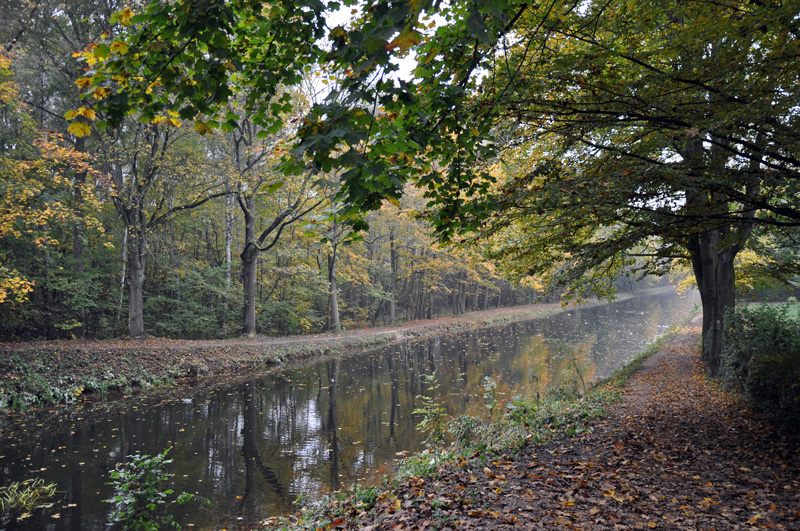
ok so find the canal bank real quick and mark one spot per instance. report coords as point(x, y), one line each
point(79, 374)
point(673, 452)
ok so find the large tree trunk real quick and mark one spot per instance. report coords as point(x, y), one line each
point(714, 271)
point(249, 281)
point(713, 249)
point(249, 269)
point(137, 257)
point(713, 252)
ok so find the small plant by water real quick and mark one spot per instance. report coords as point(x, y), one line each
point(433, 417)
point(139, 498)
point(574, 365)
point(21, 499)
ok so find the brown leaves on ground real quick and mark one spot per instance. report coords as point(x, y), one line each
point(678, 453)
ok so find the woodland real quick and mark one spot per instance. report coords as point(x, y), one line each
point(154, 228)
point(197, 169)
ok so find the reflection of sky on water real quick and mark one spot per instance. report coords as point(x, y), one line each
point(252, 448)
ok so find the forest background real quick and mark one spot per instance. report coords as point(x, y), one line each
point(156, 227)
point(180, 215)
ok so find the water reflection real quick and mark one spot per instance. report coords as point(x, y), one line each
point(253, 448)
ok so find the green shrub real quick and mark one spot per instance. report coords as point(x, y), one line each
point(138, 497)
point(282, 318)
point(761, 360)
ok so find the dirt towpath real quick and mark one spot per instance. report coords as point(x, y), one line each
point(676, 453)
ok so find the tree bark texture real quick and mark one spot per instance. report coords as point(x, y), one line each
point(335, 323)
point(249, 258)
point(716, 281)
point(137, 260)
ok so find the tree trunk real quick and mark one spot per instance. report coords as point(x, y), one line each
point(335, 324)
point(78, 231)
point(249, 258)
point(462, 294)
point(713, 249)
point(430, 306)
point(137, 258)
point(716, 281)
point(122, 278)
point(228, 239)
point(393, 281)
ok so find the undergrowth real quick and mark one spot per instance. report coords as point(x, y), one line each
point(761, 361)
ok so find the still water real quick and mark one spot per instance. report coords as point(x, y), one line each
point(254, 447)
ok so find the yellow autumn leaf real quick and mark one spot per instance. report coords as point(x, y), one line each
point(87, 113)
point(202, 128)
point(83, 82)
point(79, 129)
point(754, 519)
point(119, 47)
point(70, 115)
point(124, 17)
point(100, 93)
point(122, 80)
point(404, 41)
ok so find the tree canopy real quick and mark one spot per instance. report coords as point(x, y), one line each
point(623, 129)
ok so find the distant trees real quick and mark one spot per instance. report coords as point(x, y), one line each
point(158, 231)
point(38, 185)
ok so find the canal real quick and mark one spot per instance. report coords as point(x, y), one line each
point(254, 447)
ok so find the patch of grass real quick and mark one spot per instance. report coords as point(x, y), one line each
point(21, 499)
point(792, 307)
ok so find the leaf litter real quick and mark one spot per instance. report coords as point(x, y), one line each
point(677, 453)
